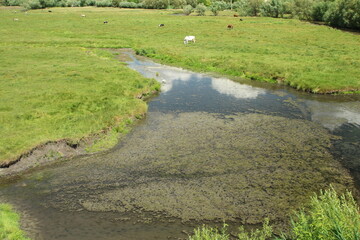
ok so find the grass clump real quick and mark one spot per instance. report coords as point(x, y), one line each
point(210, 233)
point(330, 217)
point(9, 224)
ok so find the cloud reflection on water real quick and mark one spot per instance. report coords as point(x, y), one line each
point(229, 87)
point(333, 115)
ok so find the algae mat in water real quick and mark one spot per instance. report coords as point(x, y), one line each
point(202, 166)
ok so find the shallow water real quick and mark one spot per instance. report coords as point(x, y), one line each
point(210, 150)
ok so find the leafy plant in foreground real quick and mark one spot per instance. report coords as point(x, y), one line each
point(330, 217)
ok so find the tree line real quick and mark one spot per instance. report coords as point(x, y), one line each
point(336, 13)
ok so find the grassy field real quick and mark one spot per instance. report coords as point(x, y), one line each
point(55, 83)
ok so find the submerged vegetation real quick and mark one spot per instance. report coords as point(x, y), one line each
point(9, 224)
point(330, 216)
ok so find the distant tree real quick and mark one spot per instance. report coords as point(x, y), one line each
point(302, 9)
point(156, 4)
point(188, 9)
point(200, 9)
point(273, 8)
point(254, 7)
point(178, 3)
point(319, 10)
point(216, 7)
point(242, 7)
point(192, 3)
point(344, 13)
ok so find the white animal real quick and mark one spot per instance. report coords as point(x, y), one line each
point(188, 39)
point(16, 19)
point(83, 15)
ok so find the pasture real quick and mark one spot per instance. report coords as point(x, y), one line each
point(56, 83)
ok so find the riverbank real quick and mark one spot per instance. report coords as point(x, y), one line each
point(76, 99)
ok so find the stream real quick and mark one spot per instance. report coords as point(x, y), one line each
point(209, 150)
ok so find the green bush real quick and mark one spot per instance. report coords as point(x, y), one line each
point(102, 3)
point(32, 4)
point(258, 234)
point(329, 217)
point(273, 8)
point(302, 9)
point(156, 4)
point(193, 3)
point(188, 9)
point(90, 2)
point(178, 4)
point(13, 2)
point(218, 6)
point(209, 233)
point(319, 10)
point(344, 13)
point(200, 9)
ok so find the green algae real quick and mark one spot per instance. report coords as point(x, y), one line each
point(201, 166)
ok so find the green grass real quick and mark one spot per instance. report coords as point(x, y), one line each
point(330, 216)
point(9, 224)
point(55, 84)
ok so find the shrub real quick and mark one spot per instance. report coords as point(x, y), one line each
point(32, 4)
point(178, 3)
point(273, 8)
point(217, 6)
point(128, 5)
point(344, 13)
point(13, 2)
point(330, 217)
point(214, 9)
point(101, 3)
point(319, 9)
point(156, 4)
point(188, 9)
point(193, 3)
point(258, 234)
point(242, 7)
point(200, 9)
point(209, 233)
point(302, 9)
point(90, 2)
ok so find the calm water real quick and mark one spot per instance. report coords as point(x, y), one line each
point(209, 150)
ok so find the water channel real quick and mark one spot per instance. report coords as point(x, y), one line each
point(209, 150)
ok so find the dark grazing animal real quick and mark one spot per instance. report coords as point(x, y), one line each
point(161, 25)
point(105, 22)
point(230, 26)
point(241, 19)
point(235, 15)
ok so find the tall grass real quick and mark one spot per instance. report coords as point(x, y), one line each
point(9, 224)
point(329, 217)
